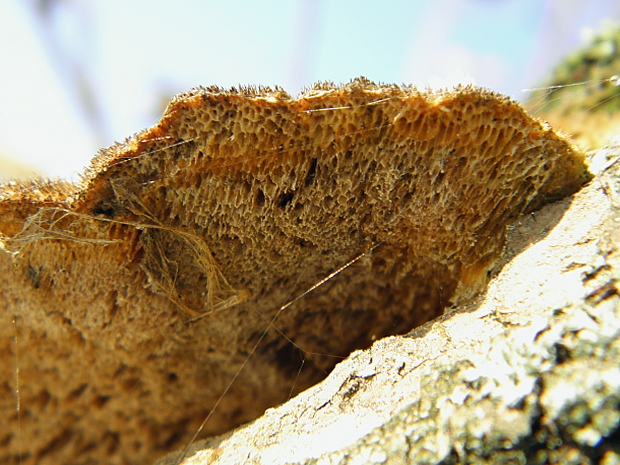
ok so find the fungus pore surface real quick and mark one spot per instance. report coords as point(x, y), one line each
point(138, 294)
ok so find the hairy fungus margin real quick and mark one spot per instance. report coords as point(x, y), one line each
point(237, 201)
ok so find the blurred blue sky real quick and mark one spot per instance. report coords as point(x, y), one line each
point(79, 75)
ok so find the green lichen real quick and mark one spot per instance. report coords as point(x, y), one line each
point(594, 65)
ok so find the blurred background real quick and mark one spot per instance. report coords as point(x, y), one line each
point(78, 75)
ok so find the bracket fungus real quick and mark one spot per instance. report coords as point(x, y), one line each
point(140, 291)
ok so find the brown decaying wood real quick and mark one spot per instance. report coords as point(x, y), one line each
point(233, 204)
